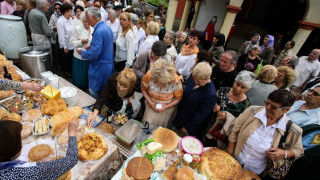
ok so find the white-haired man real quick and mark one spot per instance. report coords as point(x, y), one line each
point(99, 53)
point(38, 24)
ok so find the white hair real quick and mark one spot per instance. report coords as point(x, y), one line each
point(112, 12)
point(83, 16)
point(93, 11)
point(41, 3)
point(246, 77)
point(134, 18)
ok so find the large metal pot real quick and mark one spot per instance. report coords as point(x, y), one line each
point(35, 60)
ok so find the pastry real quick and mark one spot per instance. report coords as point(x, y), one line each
point(108, 128)
point(92, 146)
point(26, 129)
point(39, 152)
point(66, 116)
point(249, 175)
point(139, 173)
point(53, 107)
point(184, 173)
point(12, 117)
point(5, 94)
point(64, 137)
point(168, 174)
point(31, 115)
point(167, 138)
point(121, 119)
point(218, 164)
point(3, 113)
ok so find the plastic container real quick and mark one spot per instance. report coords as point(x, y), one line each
point(191, 145)
point(69, 95)
point(128, 132)
point(33, 126)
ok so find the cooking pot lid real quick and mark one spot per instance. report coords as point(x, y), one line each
point(34, 51)
point(10, 17)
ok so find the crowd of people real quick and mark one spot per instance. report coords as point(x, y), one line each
point(242, 102)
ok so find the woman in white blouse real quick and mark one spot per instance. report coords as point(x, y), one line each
point(65, 27)
point(114, 24)
point(81, 36)
point(169, 39)
point(125, 43)
point(152, 32)
point(77, 10)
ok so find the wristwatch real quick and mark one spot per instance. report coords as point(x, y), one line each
point(285, 154)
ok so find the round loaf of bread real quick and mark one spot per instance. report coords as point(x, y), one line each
point(31, 115)
point(39, 152)
point(12, 117)
point(184, 173)
point(249, 175)
point(139, 173)
point(218, 164)
point(3, 113)
point(26, 129)
point(167, 138)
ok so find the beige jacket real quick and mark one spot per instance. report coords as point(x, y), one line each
point(246, 124)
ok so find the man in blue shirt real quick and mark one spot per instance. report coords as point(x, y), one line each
point(306, 112)
point(99, 53)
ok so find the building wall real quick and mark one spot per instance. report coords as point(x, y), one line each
point(208, 9)
point(180, 8)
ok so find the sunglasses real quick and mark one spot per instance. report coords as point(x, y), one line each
point(274, 107)
point(313, 92)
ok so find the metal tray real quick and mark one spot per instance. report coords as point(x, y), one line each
point(22, 105)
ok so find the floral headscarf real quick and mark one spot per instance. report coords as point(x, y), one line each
point(269, 43)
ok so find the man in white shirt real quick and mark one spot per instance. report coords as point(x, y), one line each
point(104, 14)
point(307, 68)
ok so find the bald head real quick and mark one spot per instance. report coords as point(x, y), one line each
point(314, 55)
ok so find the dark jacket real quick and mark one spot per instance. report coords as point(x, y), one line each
point(195, 106)
point(109, 95)
point(162, 33)
point(222, 79)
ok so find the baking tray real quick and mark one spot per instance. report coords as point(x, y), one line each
point(22, 105)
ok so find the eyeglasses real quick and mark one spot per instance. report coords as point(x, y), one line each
point(313, 92)
point(274, 107)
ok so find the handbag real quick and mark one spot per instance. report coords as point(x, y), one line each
point(279, 169)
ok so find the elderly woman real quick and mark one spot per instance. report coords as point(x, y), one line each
point(230, 104)
point(120, 86)
point(21, 8)
point(53, 25)
point(152, 32)
point(285, 77)
point(114, 24)
point(77, 11)
point(244, 48)
point(169, 39)
point(10, 150)
point(256, 133)
point(262, 87)
point(249, 61)
point(267, 50)
point(186, 59)
point(81, 37)
point(217, 49)
point(149, 15)
point(183, 41)
point(65, 27)
point(199, 98)
point(162, 90)
point(125, 43)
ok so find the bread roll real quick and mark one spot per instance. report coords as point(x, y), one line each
point(3, 113)
point(142, 172)
point(38, 153)
point(52, 107)
point(31, 115)
point(26, 129)
point(168, 174)
point(66, 116)
point(12, 117)
point(184, 173)
point(5, 94)
point(108, 128)
point(167, 138)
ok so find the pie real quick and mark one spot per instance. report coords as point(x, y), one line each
point(92, 146)
point(53, 107)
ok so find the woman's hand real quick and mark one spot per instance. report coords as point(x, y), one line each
point(185, 131)
point(181, 78)
point(90, 120)
point(231, 147)
point(66, 51)
point(72, 127)
point(163, 108)
point(216, 108)
point(84, 41)
point(275, 154)
point(31, 86)
point(221, 115)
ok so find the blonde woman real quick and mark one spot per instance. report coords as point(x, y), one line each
point(285, 77)
point(81, 36)
point(152, 32)
point(169, 39)
point(120, 86)
point(262, 87)
point(162, 90)
point(125, 43)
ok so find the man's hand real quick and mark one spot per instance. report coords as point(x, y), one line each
point(84, 41)
point(79, 51)
point(185, 131)
point(86, 47)
point(221, 115)
point(66, 51)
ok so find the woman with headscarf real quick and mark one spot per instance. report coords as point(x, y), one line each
point(244, 48)
point(267, 50)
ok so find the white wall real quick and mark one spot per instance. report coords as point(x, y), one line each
point(208, 9)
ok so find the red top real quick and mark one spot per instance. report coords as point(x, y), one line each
point(210, 31)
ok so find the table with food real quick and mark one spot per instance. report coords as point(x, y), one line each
point(45, 116)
